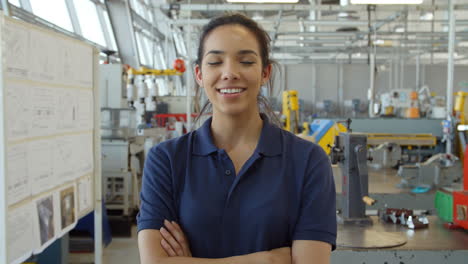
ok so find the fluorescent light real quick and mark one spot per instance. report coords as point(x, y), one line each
point(426, 16)
point(399, 29)
point(386, 2)
point(379, 42)
point(265, 1)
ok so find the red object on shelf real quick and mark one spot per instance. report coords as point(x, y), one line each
point(460, 198)
point(162, 119)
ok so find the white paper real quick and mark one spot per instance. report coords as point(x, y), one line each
point(84, 194)
point(84, 154)
point(43, 63)
point(65, 63)
point(66, 110)
point(20, 233)
point(83, 59)
point(18, 111)
point(16, 41)
point(68, 213)
point(64, 159)
point(19, 187)
point(85, 110)
point(44, 222)
point(43, 111)
point(40, 166)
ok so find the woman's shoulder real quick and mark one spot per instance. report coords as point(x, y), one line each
point(301, 146)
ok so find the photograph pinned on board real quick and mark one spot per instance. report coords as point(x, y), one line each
point(67, 207)
point(45, 212)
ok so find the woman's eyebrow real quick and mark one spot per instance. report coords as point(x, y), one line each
point(241, 52)
point(244, 52)
point(215, 52)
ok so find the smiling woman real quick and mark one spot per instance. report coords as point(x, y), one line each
point(239, 189)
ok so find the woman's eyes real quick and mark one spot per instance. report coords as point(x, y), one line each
point(219, 62)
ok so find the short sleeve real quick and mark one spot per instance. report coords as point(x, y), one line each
point(157, 199)
point(317, 216)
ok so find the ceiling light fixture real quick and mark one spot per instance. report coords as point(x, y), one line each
point(264, 1)
point(399, 29)
point(386, 2)
point(426, 15)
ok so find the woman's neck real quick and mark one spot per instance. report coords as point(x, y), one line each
point(231, 131)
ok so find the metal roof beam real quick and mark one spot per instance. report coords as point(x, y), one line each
point(302, 7)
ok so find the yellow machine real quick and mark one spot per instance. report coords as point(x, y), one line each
point(460, 117)
point(146, 71)
point(459, 107)
point(291, 111)
point(322, 132)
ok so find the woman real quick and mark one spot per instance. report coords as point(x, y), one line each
point(239, 189)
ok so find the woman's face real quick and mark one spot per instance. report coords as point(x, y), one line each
point(231, 70)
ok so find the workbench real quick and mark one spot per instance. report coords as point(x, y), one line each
point(433, 245)
point(382, 187)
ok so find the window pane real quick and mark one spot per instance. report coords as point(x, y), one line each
point(141, 52)
point(109, 29)
point(148, 44)
point(15, 2)
point(58, 16)
point(89, 21)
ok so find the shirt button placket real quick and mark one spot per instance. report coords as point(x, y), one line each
point(227, 172)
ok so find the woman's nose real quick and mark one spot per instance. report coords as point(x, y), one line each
point(230, 72)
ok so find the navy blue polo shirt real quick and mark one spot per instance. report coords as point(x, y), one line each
point(284, 192)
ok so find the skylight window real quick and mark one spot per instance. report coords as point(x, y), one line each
point(59, 16)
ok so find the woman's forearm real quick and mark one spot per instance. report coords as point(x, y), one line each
point(254, 258)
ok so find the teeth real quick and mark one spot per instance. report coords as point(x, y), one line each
point(230, 91)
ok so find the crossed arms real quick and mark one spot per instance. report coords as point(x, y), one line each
point(169, 246)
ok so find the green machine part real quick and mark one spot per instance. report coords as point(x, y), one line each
point(444, 205)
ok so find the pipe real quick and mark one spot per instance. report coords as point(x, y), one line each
point(189, 75)
point(371, 91)
point(450, 65)
point(6, 8)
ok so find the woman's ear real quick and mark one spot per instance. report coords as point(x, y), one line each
point(266, 74)
point(198, 75)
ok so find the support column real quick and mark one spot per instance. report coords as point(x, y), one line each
point(120, 18)
point(450, 65)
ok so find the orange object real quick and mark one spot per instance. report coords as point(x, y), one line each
point(460, 199)
point(413, 95)
point(412, 112)
point(179, 65)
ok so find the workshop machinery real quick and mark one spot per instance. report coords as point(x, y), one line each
point(290, 115)
point(386, 155)
point(452, 203)
point(323, 132)
point(460, 117)
point(143, 98)
point(391, 149)
point(350, 152)
point(441, 170)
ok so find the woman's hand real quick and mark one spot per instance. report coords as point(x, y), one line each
point(174, 241)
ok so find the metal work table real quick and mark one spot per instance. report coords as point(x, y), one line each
point(382, 187)
point(432, 245)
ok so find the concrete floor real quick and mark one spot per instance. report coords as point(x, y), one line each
point(119, 251)
point(122, 250)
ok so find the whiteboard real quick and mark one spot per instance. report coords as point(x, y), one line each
point(48, 136)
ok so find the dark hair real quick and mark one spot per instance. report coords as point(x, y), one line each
point(263, 40)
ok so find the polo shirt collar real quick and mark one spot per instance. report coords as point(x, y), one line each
point(203, 143)
point(268, 145)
